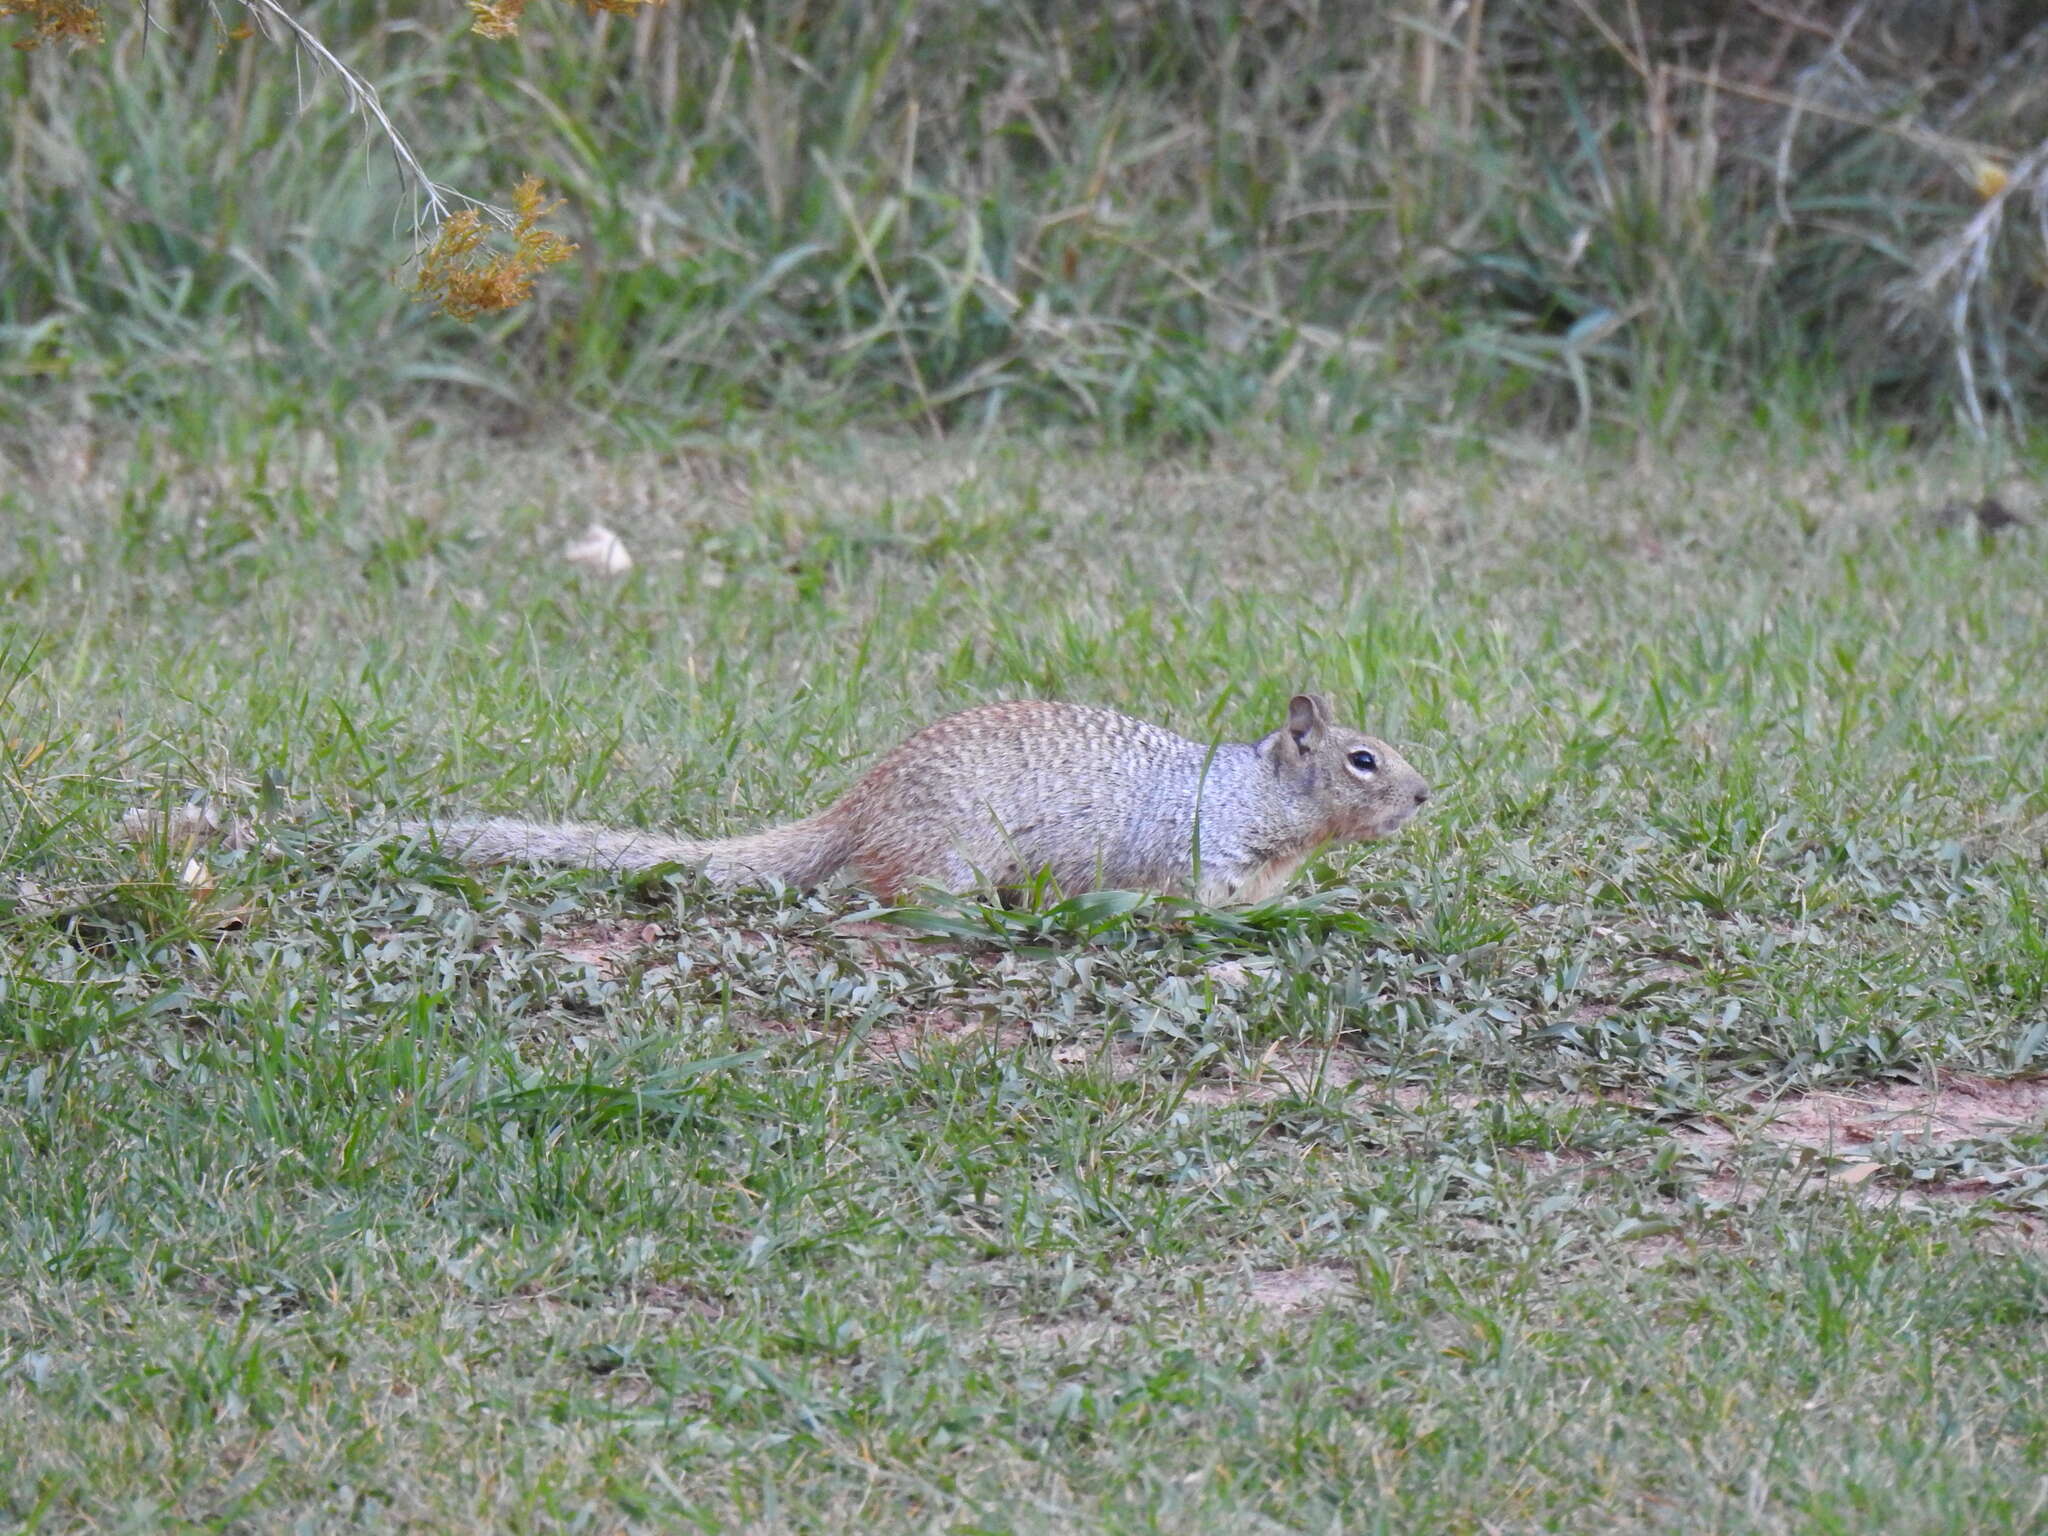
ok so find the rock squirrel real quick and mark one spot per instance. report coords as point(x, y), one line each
point(998, 794)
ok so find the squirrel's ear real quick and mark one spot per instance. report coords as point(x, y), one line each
point(1308, 716)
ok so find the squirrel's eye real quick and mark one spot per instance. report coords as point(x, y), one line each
point(1364, 761)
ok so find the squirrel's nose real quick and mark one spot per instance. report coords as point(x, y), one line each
point(1421, 793)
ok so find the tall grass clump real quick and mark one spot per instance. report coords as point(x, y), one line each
point(1157, 218)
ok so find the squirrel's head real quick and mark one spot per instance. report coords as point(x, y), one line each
point(1361, 787)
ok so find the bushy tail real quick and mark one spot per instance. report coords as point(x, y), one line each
point(800, 854)
point(503, 840)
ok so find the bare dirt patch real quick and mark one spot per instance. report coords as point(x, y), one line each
point(1281, 1071)
point(1848, 1139)
point(940, 1026)
point(1907, 1117)
point(609, 946)
point(1296, 1290)
point(1950, 1109)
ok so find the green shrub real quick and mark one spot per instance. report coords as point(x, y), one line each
point(1156, 218)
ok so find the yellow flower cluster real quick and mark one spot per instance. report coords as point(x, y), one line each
point(496, 18)
point(464, 280)
point(500, 18)
point(49, 20)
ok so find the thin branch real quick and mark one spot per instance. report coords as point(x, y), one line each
point(432, 202)
point(1961, 264)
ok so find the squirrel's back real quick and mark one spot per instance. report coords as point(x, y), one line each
point(1001, 792)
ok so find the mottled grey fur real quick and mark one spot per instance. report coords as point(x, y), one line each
point(999, 794)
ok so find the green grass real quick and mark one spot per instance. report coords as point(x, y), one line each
point(349, 1193)
point(1158, 221)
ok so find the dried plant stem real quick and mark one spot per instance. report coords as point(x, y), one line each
point(433, 202)
point(1961, 264)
